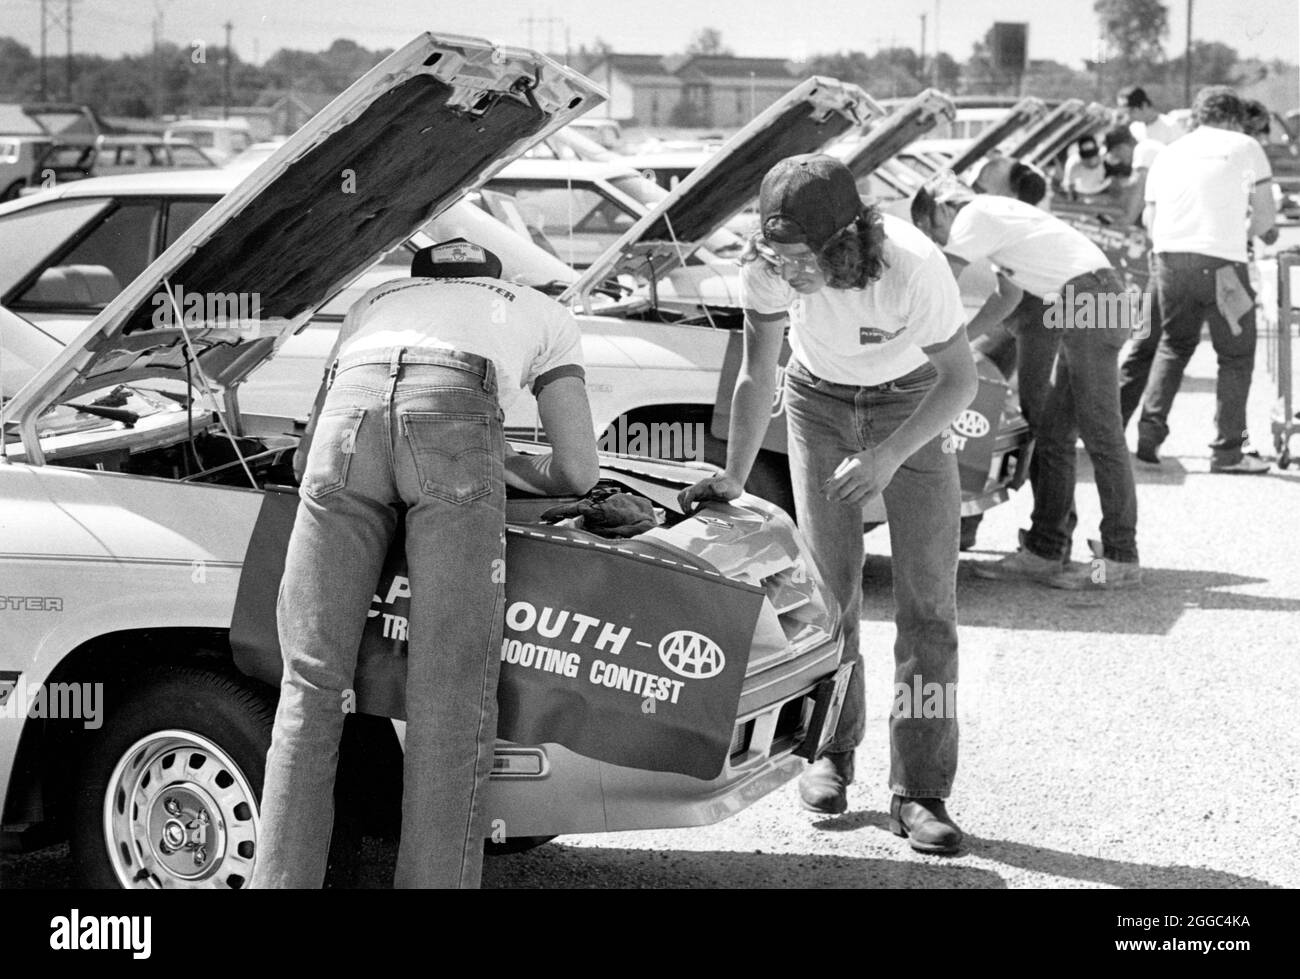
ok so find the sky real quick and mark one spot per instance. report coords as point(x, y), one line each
point(1063, 30)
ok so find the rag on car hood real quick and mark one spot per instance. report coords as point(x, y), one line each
point(804, 120)
point(415, 133)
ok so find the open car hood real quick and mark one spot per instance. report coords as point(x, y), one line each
point(884, 138)
point(414, 134)
point(1095, 117)
point(1024, 113)
point(1066, 114)
point(804, 120)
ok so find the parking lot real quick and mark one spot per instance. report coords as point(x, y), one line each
point(1134, 739)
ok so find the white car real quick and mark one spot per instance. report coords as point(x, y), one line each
point(138, 496)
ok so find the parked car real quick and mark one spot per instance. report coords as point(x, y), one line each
point(654, 356)
point(221, 140)
point(607, 132)
point(111, 155)
point(18, 157)
point(133, 505)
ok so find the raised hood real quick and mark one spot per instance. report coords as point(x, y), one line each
point(1028, 110)
point(415, 133)
point(804, 120)
point(884, 138)
point(1095, 117)
point(1065, 114)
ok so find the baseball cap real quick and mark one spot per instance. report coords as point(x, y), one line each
point(1133, 97)
point(455, 259)
point(1088, 147)
point(1118, 136)
point(807, 199)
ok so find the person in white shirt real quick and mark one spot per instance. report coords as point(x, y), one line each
point(1205, 194)
point(1084, 319)
point(1085, 173)
point(408, 427)
point(880, 368)
point(1145, 122)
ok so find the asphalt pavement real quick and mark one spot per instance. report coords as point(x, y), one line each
point(1136, 739)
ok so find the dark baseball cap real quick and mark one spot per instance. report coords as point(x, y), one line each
point(455, 259)
point(1088, 147)
point(1133, 97)
point(807, 199)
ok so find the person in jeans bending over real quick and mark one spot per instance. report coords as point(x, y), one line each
point(1068, 360)
point(409, 419)
point(880, 367)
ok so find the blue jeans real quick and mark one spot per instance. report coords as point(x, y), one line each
point(1083, 402)
point(1185, 285)
point(419, 430)
point(828, 422)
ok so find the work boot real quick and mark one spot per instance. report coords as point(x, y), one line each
point(1147, 452)
point(1023, 563)
point(925, 823)
point(824, 785)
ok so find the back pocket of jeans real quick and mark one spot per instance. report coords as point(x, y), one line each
point(452, 453)
point(333, 444)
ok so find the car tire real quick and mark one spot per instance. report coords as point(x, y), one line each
point(186, 747)
point(12, 191)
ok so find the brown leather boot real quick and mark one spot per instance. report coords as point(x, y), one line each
point(824, 785)
point(925, 823)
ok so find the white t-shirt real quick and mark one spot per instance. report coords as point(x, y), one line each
point(1084, 179)
point(868, 336)
point(1145, 153)
point(1163, 129)
point(529, 337)
point(1035, 250)
point(1201, 186)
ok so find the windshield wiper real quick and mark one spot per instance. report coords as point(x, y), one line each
point(127, 418)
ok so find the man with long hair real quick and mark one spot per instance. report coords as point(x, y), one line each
point(880, 366)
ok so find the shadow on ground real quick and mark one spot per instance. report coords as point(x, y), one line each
point(1152, 609)
point(1059, 863)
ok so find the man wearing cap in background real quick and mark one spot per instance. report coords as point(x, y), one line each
point(1084, 173)
point(1143, 119)
point(880, 367)
point(409, 421)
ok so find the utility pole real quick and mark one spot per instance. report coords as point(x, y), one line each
point(1187, 59)
point(922, 64)
point(67, 85)
point(550, 22)
point(50, 18)
point(44, 88)
point(225, 75)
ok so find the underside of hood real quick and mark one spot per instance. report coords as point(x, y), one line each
point(804, 120)
point(426, 125)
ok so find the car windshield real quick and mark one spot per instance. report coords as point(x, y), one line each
point(24, 349)
point(32, 234)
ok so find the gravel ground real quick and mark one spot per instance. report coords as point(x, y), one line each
point(1143, 739)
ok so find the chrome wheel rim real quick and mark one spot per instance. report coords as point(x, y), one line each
point(178, 812)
